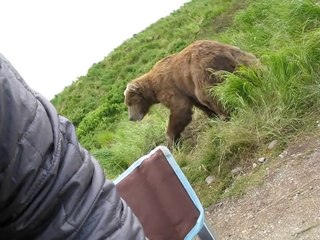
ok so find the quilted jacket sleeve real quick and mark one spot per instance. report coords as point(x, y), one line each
point(51, 187)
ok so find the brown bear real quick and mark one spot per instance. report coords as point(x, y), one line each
point(182, 80)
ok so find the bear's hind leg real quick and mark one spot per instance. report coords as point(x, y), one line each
point(212, 104)
point(205, 109)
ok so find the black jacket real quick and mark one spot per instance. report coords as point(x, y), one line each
point(51, 187)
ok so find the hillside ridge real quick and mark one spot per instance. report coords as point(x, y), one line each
point(275, 103)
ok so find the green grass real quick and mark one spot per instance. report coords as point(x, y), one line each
point(130, 141)
point(275, 101)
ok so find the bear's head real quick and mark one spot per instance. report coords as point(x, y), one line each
point(137, 102)
point(245, 58)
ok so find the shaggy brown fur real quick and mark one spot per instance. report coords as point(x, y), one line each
point(182, 80)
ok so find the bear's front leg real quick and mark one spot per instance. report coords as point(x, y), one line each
point(178, 120)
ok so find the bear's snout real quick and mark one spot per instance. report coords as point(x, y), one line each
point(135, 113)
point(136, 118)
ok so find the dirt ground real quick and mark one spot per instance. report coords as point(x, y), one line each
point(285, 207)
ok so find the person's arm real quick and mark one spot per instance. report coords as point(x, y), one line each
point(51, 187)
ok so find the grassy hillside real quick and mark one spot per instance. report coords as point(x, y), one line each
point(273, 103)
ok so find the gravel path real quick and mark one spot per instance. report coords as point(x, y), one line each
point(286, 206)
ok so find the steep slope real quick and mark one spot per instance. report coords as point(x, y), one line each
point(276, 102)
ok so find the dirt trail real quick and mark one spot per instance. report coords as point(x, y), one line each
point(286, 206)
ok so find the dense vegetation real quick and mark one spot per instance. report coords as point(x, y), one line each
point(275, 102)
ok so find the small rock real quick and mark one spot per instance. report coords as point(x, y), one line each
point(273, 144)
point(296, 155)
point(236, 171)
point(250, 216)
point(219, 204)
point(296, 195)
point(267, 171)
point(262, 159)
point(209, 179)
point(254, 165)
point(283, 154)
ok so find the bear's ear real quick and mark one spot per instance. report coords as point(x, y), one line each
point(131, 88)
point(125, 91)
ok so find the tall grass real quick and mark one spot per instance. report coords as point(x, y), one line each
point(272, 102)
point(131, 141)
